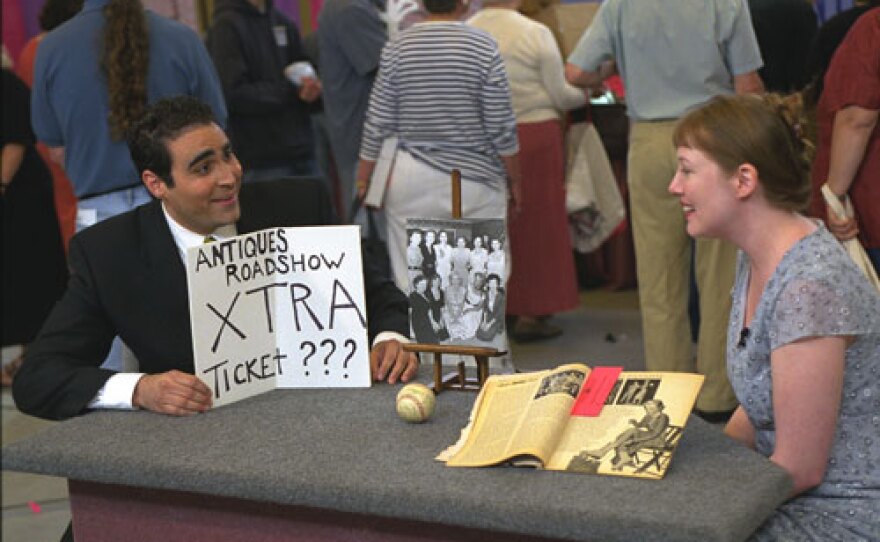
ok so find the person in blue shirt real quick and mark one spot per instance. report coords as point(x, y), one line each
point(94, 76)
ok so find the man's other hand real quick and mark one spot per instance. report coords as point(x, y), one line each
point(843, 228)
point(389, 361)
point(309, 89)
point(175, 393)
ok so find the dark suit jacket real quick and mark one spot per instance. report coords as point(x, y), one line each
point(127, 279)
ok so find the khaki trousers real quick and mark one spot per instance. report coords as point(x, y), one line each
point(663, 253)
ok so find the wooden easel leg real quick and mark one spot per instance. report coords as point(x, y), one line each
point(462, 376)
point(482, 369)
point(438, 372)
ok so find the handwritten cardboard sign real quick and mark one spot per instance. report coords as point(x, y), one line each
point(280, 307)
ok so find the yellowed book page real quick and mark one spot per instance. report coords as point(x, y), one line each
point(504, 402)
point(521, 414)
point(637, 430)
point(465, 433)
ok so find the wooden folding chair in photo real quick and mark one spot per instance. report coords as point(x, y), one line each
point(660, 455)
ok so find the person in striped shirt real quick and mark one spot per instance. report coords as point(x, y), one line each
point(442, 91)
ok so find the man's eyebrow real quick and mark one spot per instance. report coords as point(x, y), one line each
point(207, 153)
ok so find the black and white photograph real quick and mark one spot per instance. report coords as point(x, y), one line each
point(457, 274)
point(568, 382)
point(638, 391)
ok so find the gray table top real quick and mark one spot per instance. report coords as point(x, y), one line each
point(346, 450)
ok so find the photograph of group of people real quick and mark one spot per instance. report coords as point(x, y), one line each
point(457, 271)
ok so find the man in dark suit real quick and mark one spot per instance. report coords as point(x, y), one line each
point(128, 277)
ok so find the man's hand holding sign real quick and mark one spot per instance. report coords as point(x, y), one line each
point(174, 392)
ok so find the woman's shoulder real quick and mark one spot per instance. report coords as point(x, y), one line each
point(819, 257)
point(532, 28)
point(454, 30)
point(464, 36)
point(477, 34)
point(818, 282)
point(510, 18)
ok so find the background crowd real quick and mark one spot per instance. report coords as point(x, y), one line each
point(485, 90)
point(503, 128)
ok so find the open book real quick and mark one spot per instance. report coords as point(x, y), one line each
point(526, 420)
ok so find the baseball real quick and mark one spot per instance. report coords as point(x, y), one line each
point(415, 403)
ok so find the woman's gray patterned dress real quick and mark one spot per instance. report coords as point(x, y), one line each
point(816, 291)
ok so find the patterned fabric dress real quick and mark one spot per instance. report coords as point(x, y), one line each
point(816, 291)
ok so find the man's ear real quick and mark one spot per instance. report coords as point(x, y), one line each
point(746, 180)
point(154, 184)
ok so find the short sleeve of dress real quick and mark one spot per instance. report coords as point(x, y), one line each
point(818, 291)
point(812, 307)
point(808, 308)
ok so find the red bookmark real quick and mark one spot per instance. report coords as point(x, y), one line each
point(596, 389)
point(35, 508)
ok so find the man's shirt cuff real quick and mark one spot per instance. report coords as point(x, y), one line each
point(390, 335)
point(117, 392)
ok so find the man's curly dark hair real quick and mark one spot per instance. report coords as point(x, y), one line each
point(163, 121)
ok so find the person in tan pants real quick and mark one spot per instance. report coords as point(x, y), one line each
point(668, 68)
point(663, 251)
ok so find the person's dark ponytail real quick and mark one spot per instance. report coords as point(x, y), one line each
point(125, 60)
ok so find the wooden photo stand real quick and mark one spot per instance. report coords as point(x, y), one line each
point(457, 380)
